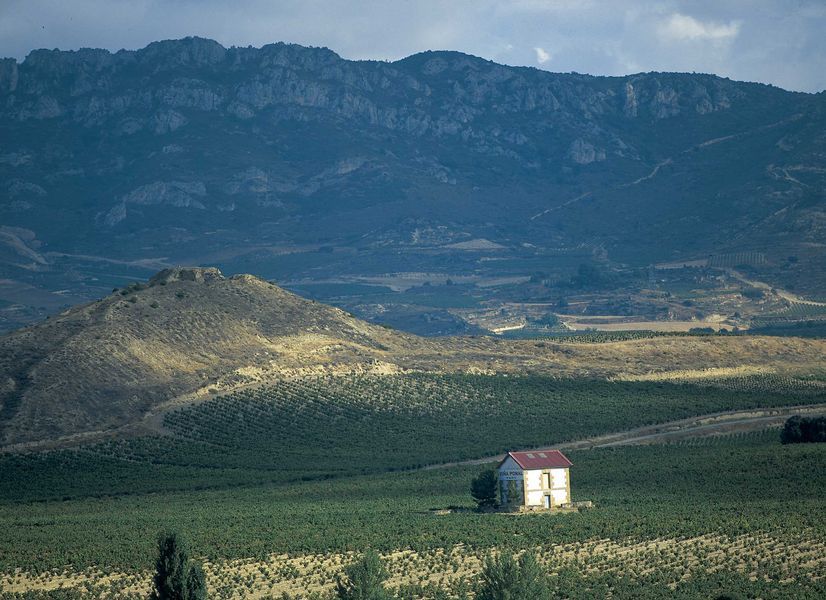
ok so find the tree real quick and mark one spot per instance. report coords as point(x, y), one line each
point(506, 578)
point(364, 580)
point(792, 431)
point(175, 578)
point(513, 492)
point(800, 429)
point(483, 489)
point(587, 276)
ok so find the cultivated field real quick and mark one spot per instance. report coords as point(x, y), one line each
point(279, 485)
point(664, 523)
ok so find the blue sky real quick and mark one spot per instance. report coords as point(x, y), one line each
point(782, 42)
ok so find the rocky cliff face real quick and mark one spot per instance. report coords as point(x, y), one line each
point(186, 150)
point(431, 94)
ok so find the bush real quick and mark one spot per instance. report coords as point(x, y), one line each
point(508, 579)
point(801, 430)
point(364, 580)
point(753, 293)
point(196, 583)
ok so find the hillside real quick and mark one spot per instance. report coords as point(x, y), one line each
point(416, 193)
point(190, 332)
point(105, 363)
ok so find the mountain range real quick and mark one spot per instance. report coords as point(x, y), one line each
point(346, 179)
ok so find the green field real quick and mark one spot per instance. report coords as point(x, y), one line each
point(321, 467)
point(739, 486)
point(319, 428)
point(797, 317)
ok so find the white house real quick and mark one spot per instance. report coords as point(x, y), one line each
point(540, 479)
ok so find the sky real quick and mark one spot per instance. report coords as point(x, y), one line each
point(781, 42)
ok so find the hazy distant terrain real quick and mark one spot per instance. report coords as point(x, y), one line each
point(441, 193)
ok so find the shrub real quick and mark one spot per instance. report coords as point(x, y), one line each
point(364, 580)
point(506, 578)
point(196, 583)
point(799, 430)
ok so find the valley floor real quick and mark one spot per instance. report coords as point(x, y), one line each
point(665, 520)
point(277, 488)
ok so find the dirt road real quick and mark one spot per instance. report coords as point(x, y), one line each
point(786, 295)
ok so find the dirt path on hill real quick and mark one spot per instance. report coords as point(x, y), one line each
point(693, 427)
point(786, 295)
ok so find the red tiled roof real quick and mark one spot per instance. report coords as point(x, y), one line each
point(541, 459)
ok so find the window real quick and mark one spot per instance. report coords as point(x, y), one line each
point(546, 481)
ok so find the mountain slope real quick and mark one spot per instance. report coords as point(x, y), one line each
point(299, 165)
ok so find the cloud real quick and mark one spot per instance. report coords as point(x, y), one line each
point(542, 56)
point(683, 27)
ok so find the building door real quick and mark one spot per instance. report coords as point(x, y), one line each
point(547, 502)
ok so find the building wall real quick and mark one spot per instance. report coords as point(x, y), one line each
point(559, 478)
point(536, 487)
point(533, 488)
point(531, 485)
point(560, 497)
point(511, 471)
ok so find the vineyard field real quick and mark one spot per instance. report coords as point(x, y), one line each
point(601, 337)
point(738, 513)
point(796, 313)
point(735, 259)
point(322, 427)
